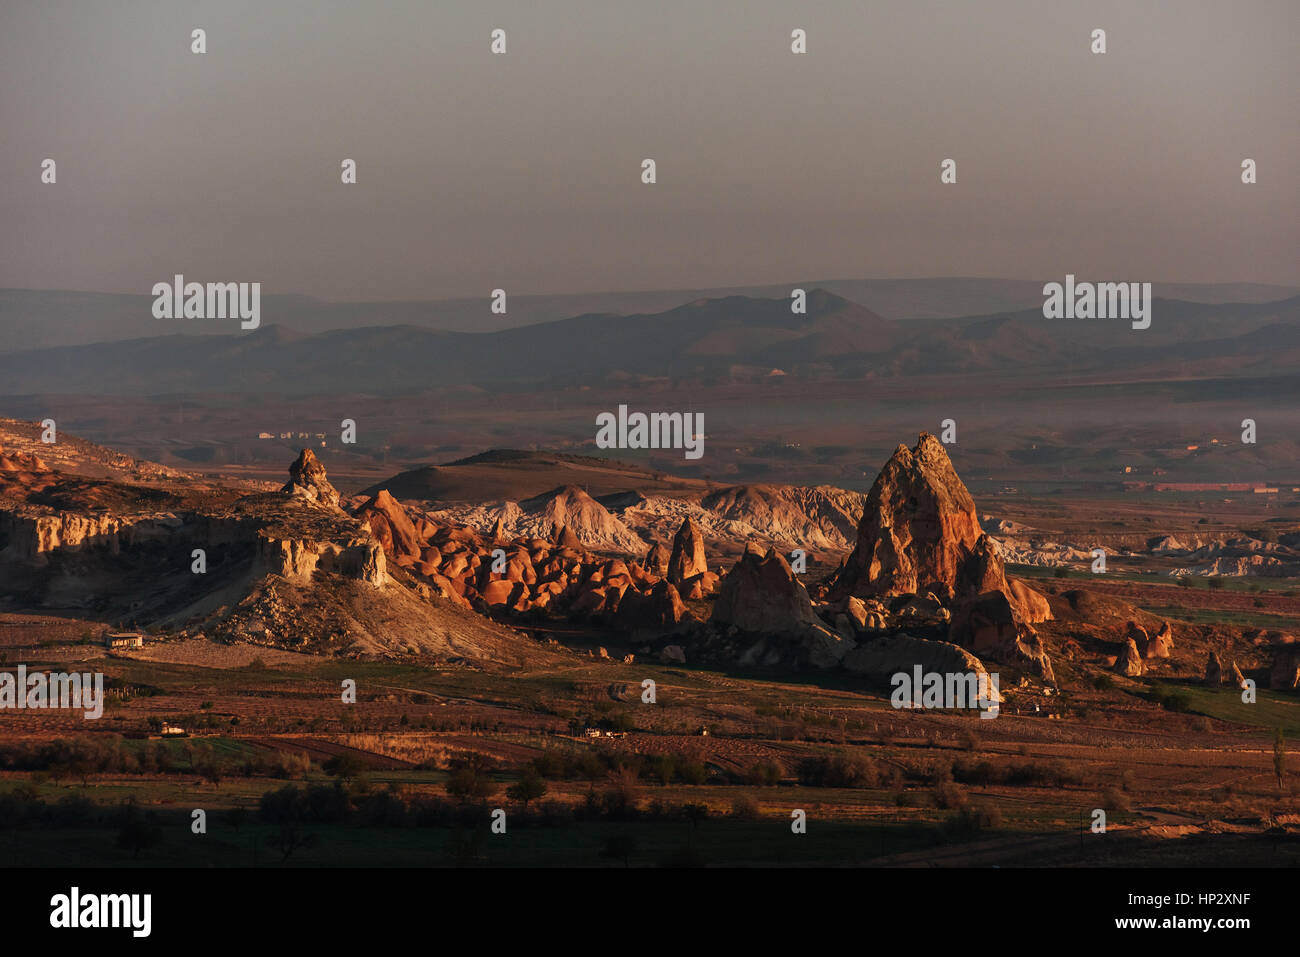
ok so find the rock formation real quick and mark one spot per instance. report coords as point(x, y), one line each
point(1284, 674)
point(656, 560)
point(1129, 661)
point(902, 653)
point(761, 594)
point(659, 610)
point(687, 559)
point(987, 624)
point(920, 533)
point(392, 527)
point(1238, 679)
point(1213, 670)
point(307, 478)
point(918, 528)
point(1161, 645)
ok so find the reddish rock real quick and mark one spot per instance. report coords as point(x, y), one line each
point(687, 559)
point(307, 478)
point(391, 525)
point(1129, 661)
point(988, 625)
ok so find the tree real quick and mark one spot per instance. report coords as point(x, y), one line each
point(530, 787)
point(137, 833)
point(1279, 758)
point(469, 776)
point(345, 767)
point(695, 813)
point(288, 839)
point(619, 847)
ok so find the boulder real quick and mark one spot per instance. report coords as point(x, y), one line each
point(885, 657)
point(672, 655)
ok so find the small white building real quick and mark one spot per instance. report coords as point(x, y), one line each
point(124, 639)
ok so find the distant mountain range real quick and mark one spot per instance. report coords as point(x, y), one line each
point(39, 319)
point(707, 341)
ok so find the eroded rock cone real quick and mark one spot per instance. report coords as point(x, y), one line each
point(920, 533)
point(918, 527)
point(390, 524)
point(565, 537)
point(1238, 679)
point(1129, 661)
point(1213, 670)
point(307, 478)
point(761, 594)
point(656, 560)
point(1161, 645)
point(687, 559)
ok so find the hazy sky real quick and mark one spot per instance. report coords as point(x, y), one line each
point(523, 170)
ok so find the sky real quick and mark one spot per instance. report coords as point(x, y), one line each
point(522, 171)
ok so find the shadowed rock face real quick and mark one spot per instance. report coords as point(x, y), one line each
point(761, 594)
point(659, 610)
point(656, 560)
point(1213, 669)
point(989, 626)
point(307, 478)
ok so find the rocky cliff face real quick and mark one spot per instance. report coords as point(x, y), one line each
point(361, 559)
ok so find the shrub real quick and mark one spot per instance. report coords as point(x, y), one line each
point(837, 772)
point(949, 796)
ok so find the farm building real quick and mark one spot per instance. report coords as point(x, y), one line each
point(124, 639)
